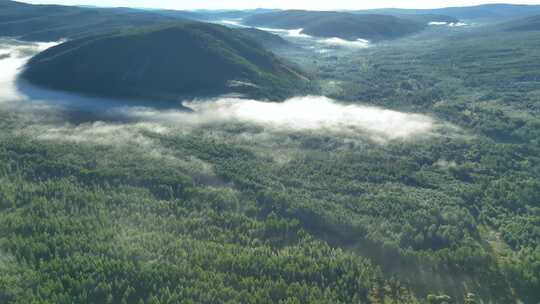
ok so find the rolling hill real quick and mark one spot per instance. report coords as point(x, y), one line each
point(523, 25)
point(265, 38)
point(233, 14)
point(54, 22)
point(338, 24)
point(487, 12)
point(427, 18)
point(191, 59)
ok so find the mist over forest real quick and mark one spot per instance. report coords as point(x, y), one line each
point(269, 156)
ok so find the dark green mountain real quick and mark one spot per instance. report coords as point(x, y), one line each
point(265, 38)
point(167, 63)
point(54, 22)
point(338, 24)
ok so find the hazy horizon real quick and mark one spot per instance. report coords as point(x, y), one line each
point(278, 4)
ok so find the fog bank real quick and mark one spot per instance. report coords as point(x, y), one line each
point(309, 113)
point(333, 41)
point(14, 55)
point(450, 24)
point(359, 43)
point(102, 116)
point(295, 33)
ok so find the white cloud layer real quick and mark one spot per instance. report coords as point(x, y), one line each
point(13, 56)
point(450, 24)
point(297, 33)
point(309, 113)
point(315, 113)
point(359, 43)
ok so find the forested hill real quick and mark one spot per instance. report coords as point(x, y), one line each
point(54, 22)
point(233, 14)
point(338, 24)
point(265, 38)
point(427, 18)
point(190, 59)
point(526, 24)
point(496, 12)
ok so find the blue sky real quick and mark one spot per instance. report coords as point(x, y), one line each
point(286, 4)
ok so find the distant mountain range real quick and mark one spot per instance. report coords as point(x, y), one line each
point(338, 24)
point(488, 11)
point(166, 63)
point(54, 22)
point(233, 14)
point(426, 18)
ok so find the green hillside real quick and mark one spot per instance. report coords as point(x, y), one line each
point(526, 24)
point(265, 38)
point(493, 12)
point(54, 22)
point(233, 14)
point(166, 62)
point(427, 18)
point(337, 24)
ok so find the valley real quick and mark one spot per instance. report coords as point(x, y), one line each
point(395, 170)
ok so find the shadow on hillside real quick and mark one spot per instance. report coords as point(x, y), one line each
point(77, 108)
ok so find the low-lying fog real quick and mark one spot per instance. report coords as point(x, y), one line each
point(13, 55)
point(297, 34)
point(334, 41)
point(77, 117)
point(450, 24)
point(312, 113)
